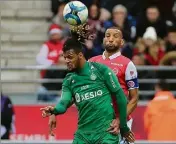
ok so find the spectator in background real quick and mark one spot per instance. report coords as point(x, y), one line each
point(51, 55)
point(172, 21)
point(94, 47)
point(154, 54)
point(105, 15)
point(140, 47)
point(160, 115)
point(138, 60)
point(7, 117)
point(59, 20)
point(150, 46)
point(120, 20)
point(168, 60)
point(171, 39)
point(150, 36)
point(55, 4)
point(151, 18)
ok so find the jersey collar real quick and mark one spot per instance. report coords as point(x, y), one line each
point(84, 69)
point(112, 56)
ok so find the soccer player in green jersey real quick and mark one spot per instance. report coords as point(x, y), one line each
point(90, 85)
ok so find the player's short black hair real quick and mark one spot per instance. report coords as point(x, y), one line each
point(72, 43)
point(163, 85)
point(116, 28)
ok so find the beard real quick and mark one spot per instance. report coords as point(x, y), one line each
point(111, 49)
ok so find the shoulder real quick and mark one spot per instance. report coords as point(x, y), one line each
point(45, 46)
point(7, 100)
point(131, 68)
point(95, 58)
point(68, 78)
point(101, 67)
point(46, 43)
point(131, 65)
point(125, 60)
point(131, 71)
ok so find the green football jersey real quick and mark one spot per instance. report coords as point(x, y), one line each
point(91, 89)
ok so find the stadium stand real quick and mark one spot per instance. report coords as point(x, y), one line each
point(23, 29)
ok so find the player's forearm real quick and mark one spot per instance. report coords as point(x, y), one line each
point(61, 107)
point(122, 107)
point(131, 105)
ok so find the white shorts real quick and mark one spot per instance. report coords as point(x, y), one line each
point(129, 123)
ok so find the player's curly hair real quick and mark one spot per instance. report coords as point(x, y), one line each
point(82, 33)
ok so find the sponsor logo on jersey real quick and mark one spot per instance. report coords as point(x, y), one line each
point(84, 87)
point(93, 76)
point(131, 73)
point(116, 64)
point(111, 79)
point(88, 95)
point(130, 84)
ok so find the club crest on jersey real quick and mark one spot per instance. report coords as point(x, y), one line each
point(115, 71)
point(131, 73)
point(131, 84)
point(93, 76)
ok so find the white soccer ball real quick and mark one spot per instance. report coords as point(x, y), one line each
point(75, 13)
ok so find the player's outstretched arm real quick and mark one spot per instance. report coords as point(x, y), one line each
point(114, 87)
point(62, 106)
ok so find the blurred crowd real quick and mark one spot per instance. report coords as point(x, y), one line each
point(148, 27)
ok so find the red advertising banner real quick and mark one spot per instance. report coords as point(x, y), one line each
point(31, 126)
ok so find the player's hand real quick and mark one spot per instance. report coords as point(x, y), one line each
point(129, 136)
point(114, 127)
point(46, 111)
point(52, 124)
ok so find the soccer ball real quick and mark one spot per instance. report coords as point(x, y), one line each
point(75, 13)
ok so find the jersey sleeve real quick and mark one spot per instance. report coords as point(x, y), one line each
point(111, 80)
point(66, 94)
point(131, 76)
point(66, 99)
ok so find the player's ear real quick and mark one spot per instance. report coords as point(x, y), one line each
point(80, 55)
point(122, 42)
point(103, 40)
